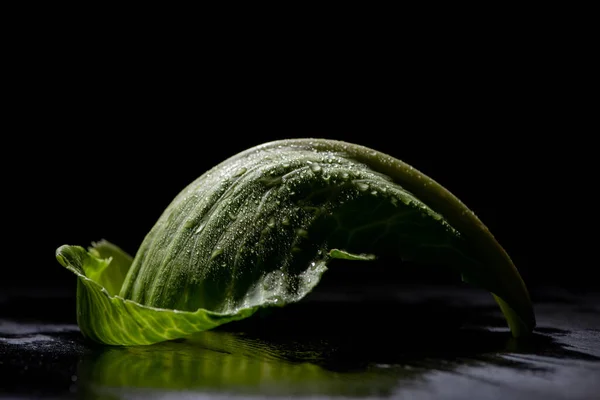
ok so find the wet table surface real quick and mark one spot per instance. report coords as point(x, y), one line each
point(423, 342)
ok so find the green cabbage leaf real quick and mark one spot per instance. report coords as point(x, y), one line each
point(260, 229)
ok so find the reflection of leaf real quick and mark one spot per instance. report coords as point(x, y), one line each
point(280, 354)
point(223, 362)
point(259, 230)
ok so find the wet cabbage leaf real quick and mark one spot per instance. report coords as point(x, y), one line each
point(259, 230)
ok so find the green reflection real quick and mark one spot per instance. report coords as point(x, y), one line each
point(319, 349)
point(279, 353)
point(227, 362)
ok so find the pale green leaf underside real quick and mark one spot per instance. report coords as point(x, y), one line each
point(259, 229)
point(111, 319)
point(344, 255)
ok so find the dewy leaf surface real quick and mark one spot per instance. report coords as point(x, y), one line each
point(260, 228)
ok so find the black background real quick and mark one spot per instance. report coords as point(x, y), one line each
point(105, 120)
point(100, 138)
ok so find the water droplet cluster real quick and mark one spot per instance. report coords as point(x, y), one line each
point(254, 229)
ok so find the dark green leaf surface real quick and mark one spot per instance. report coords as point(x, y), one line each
point(259, 229)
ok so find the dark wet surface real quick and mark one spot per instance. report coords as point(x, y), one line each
point(423, 342)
